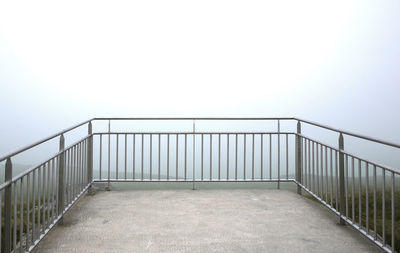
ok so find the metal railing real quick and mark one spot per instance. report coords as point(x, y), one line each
point(361, 192)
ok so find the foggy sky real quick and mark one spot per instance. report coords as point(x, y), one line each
point(332, 62)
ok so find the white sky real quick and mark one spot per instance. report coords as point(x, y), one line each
point(336, 62)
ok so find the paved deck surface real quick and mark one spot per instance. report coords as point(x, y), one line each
point(225, 220)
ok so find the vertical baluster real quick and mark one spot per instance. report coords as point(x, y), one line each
point(151, 157)
point(352, 190)
point(21, 213)
point(383, 207)
point(262, 156)
point(177, 155)
point(326, 175)
point(27, 211)
point(287, 157)
point(1, 218)
point(317, 168)
point(331, 167)
point(309, 164)
point(236, 157)
point(252, 154)
point(15, 218)
point(134, 156)
point(219, 157)
point(44, 196)
point(109, 157)
point(244, 157)
point(126, 154)
point(322, 172)
point(270, 156)
point(393, 214)
point(167, 156)
point(343, 207)
point(359, 194)
point(39, 202)
point(279, 155)
point(34, 207)
point(313, 167)
point(116, 156)
point(142, 160)
point(227, 157)
point(202, 157)
point(194, 155)
point(367, 196)
point(159, 156)
point(100, 155)
point(210, 157)
point(375, 232)
point(54, 191)
point(185, 156)
point(346, 186)
point(48, 193)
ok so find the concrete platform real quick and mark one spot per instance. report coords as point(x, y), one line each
point(209, 220)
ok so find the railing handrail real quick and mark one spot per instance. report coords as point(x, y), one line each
point(16, 152)
point(197, 118)
point(396, 145)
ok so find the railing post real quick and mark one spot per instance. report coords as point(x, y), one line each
point(341, 180)
point(298, 157)
point(7, 207)
point(61, 186)
point(90, 158)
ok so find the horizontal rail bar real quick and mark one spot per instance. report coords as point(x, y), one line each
point(196, 181)
point(207, 118)
point(396, 145)
point(196, 133)
point(4, 157)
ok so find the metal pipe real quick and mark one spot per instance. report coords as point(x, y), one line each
point(262, 156)
point(151, 157)
point(279, 154)
point(383, 208)
point(227, 156)
point(236, 157)
point(244, 157)
point(177, 155)
point(202, 157)
point(367, 197)
point(168, 157)
point(133, 156)
point(270, 156)
point(125, 161)
point(61, 186)
point(219, 156)
point(142, 154)
point(375, 232)
point(210, 156)
point(194, 155)
point(393, 214)
point(101, 154)
point(353, 211)
point(159, 157)
point(252, 154)
point(341, 178)
point(116, 155)
point(185, 168)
